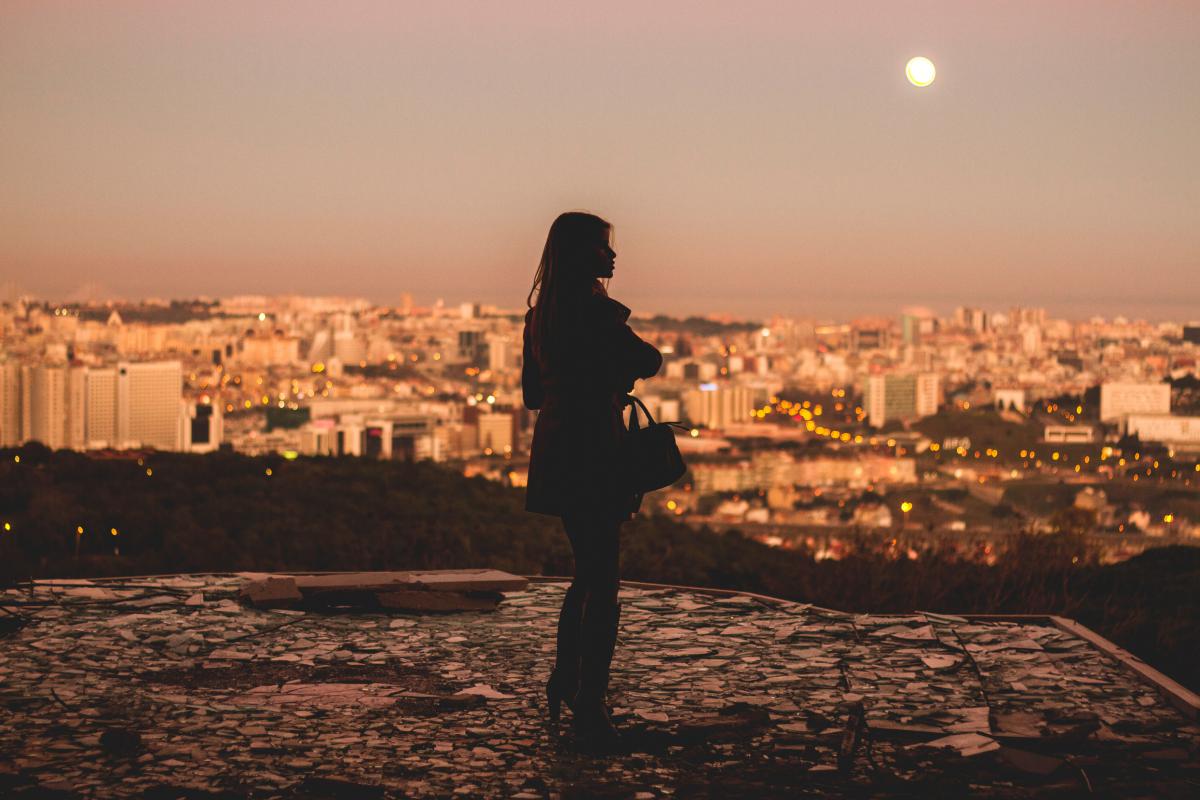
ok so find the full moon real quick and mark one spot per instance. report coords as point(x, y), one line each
point(919, 71)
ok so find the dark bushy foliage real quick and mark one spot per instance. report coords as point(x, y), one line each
point(222, 512)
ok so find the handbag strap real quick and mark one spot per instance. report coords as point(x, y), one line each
point(636, 402)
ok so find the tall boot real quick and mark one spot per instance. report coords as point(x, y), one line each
point(598, 640)
point(563, 684)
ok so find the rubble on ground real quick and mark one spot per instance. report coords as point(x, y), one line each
point(168, 686)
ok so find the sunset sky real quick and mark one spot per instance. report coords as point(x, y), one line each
point(755, 157)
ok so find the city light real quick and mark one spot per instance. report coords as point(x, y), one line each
point(710, 382)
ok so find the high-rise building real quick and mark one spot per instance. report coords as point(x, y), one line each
point(148, 407)
point(717, 406)
point(974, 319)
point(502, 354)
point(1119, 399)
point(76, 422)
point(900, 397)
point(348, 347)
point(26, 402)
point(870, 335)
point(48, 405)
point(916, 323)
point(10, 404)
point(496, 431)
point(101, 407)
point(1026, 316)
point(470, 345)
point(1031, 339)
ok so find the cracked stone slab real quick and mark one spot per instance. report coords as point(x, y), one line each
point(719, 696)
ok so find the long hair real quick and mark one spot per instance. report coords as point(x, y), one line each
point(562, 275)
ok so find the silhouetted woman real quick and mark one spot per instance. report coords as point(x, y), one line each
point(580, 359)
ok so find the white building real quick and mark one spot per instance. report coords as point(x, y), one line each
point(76, 427)
point(1119, 399)
point(1009, 399)
point(101, 403)
point(1164, 428)
point(717, 406)
point(900, 397)
point(46, 392)
point(10, 404)
point(349, 347)
point(388, 436)
point(496, 432)
point(1068, 434)
point(503, 354)
point(148, 408)
point(267, 350)
point(136, 404)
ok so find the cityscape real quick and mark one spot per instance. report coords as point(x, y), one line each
point(317, 326)
point(906, 433)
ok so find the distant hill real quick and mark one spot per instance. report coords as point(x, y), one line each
point(224, 512)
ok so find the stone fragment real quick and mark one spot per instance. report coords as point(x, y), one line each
point(967, 744)
point(271, 592)
point(483, 690)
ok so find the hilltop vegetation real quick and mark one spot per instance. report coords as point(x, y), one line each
point(224, 512)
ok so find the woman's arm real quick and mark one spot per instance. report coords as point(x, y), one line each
point(612, 355)
point(638, 358)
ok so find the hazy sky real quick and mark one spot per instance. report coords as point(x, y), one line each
point(754, 156)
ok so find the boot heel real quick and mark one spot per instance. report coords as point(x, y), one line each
point(556, 695)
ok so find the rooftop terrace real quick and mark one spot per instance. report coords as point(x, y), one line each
point(168, 687)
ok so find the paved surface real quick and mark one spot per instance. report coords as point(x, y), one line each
point(168, 688)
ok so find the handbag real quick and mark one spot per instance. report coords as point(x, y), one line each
point(651, 456)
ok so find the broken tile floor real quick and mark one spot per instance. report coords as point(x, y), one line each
point(167, 687)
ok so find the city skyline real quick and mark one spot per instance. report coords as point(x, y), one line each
point(768, 159)
point(843, 310)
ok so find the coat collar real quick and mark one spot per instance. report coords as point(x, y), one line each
point(610, 306)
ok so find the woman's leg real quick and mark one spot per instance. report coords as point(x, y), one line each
point(566, 657)
point(596, 539)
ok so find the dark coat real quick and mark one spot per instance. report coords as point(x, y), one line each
point(578, 389)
